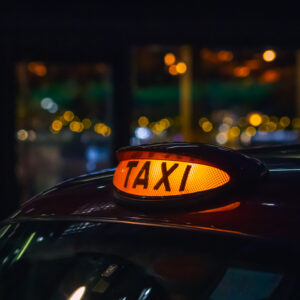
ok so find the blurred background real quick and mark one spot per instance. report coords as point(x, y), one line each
point(76, 87)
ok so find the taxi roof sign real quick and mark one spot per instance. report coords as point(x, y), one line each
point(173, 172)
point(161, 178)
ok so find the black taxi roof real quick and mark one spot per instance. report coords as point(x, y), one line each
point(267, 209)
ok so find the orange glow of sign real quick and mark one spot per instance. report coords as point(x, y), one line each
point(227, 207)
point(160, 178)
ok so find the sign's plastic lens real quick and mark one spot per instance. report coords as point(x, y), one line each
point(159, 178)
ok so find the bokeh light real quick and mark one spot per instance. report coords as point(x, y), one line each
point(169, 59)
point(173, 70)
point(285, 121)
point(234, 132)
point(225, 55)
point(255, 119)
point(56, 125)
point(38, 68)
point(245, 138)
point(102, 129)
point(207, 126)
point(22, 135)
point(46, 103)
point(242, 71)
point(251, 131)
point(76, 126)
point(68, 115)
point(202, 120)
point(269, 55)
point(270, 76)
point(296, 123)
point(142, 133)
point(221, 138)
point(181, 68)
point(143, 121)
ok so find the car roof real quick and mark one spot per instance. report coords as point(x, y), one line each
point(268, 209)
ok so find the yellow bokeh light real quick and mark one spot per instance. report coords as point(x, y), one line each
point(143, 121)
point(270, 126)
point(68, 115)
point(56, 125)
point(269, 55)
point(181, 68)
point(173, 70)
point(228, 120)
point(62, 119)
point(265, 119)
point(76, 126)
point(22, 135)
point(165, 123)
point(234, 132)
point(106, 131)
point(87, 123)
point(255, 119)
point(296, 123)
point(102, 129)
point(169, 59)
point(285, 121)
point(207, 126)
point(98, 127)
point(250, 131)
point(202, 120)
point(158, 128)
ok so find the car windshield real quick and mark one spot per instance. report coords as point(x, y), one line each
point(98, 260)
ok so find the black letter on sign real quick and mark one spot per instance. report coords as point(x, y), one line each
point(165, 174)
point(130, 165)
point(184, 177)
point(143, 181)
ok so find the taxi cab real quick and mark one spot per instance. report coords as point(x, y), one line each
point(172, 221)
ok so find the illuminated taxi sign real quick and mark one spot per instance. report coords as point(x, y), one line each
point(151, 175)
point(182, 173)
point(165, 178)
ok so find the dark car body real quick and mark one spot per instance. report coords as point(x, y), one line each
point(245, 246)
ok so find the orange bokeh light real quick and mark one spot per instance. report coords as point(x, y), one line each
point(269, 55)
point(173, 70)
point(38, 68)
point(181, 68)
point(225, 55)
point(169, 59)
point(241, 71)
point(158, 178)
point(270, 76)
